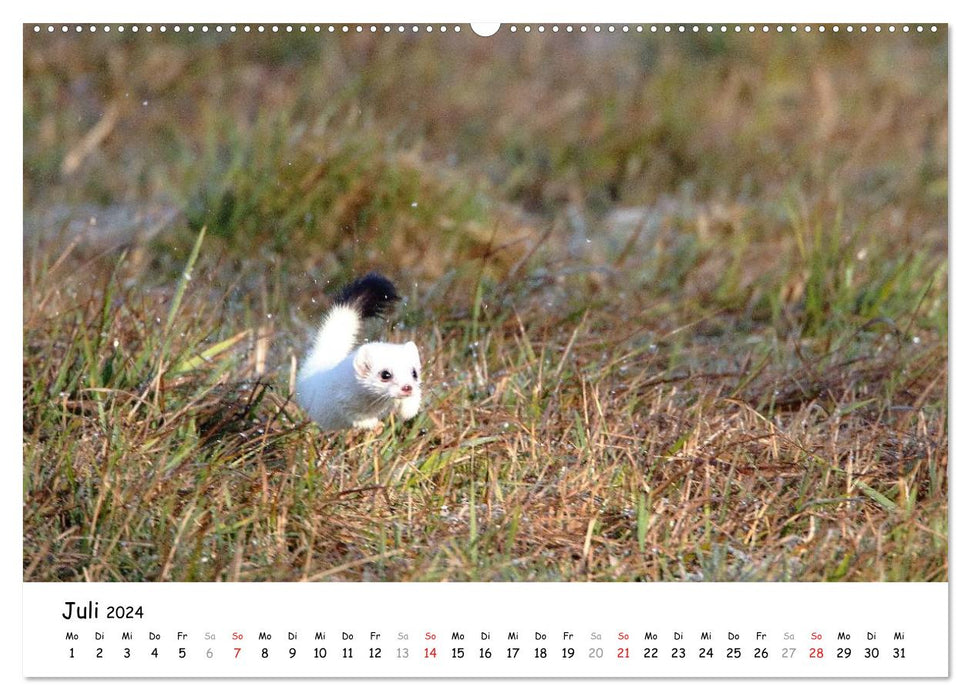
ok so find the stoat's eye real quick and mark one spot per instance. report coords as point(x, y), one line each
point(385, 375)
point(414, 374)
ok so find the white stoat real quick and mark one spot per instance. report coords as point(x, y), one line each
point(341, 387)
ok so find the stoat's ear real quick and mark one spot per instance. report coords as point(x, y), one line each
point(362, 361)
point(412, 350)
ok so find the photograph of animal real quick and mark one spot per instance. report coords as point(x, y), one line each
point(397, 303)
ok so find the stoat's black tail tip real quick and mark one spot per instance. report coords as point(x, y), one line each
point(371, 295)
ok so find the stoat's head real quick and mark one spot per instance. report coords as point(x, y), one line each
point(389, 370)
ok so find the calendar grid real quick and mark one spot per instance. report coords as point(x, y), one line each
point(477, 630)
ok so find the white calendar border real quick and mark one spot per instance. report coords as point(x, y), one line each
point(508, 10)
point(526, 629)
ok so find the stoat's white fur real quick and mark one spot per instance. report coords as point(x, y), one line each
point(340, 387)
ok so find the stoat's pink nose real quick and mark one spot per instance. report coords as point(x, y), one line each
point(406, 389)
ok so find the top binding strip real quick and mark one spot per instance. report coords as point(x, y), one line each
point(488, 30)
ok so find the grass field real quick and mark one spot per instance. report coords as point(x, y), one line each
point(681, 302)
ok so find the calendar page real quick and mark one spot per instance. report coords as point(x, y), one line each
point(555, 350)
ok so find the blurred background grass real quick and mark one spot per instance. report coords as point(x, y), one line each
point(682, 301)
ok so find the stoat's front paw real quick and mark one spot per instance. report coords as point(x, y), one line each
point(369, 424)
point(408, 408)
